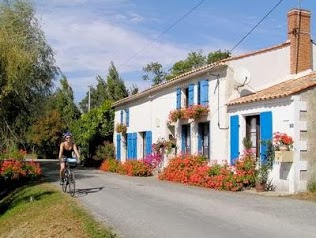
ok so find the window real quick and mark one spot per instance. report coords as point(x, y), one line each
point(253, 132)
point(127, 116)
point(204, 138)
point(186, 139)
point(178, 104)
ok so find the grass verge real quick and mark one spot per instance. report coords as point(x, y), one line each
point(43, 211)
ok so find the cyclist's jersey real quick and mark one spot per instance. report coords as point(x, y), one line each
point(68, 153)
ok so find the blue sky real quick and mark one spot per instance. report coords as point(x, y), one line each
point(87, 35)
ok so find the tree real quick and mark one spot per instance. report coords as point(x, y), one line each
point(193, 60)
point(93, 128)
point(133, 90)
point(116, 88)
point(155, 69)
point(112, 89)
point(45, 134)
point(27, 69)
point(63, 101)
point(217, 56)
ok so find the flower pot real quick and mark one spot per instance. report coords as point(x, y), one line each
point(284, 148)
point(260, 187)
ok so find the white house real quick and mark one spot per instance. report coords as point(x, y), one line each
point(254, 95)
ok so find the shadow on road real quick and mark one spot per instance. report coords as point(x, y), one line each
point(85, 191)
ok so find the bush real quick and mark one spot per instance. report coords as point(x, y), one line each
point(311, 185)
point(130, 167)
point(194, 170)
point(15, 170)
point(105, 151)
point(136, 168)
point(110, 165)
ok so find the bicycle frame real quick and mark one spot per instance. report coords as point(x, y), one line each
point(69, 179)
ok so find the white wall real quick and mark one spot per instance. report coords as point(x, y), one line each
point(265, 69)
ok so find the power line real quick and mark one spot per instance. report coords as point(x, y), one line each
point(257, 25)
point(164, 32)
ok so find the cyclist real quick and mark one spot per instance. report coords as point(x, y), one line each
point(67, 149)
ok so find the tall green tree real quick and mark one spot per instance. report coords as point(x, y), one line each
point(116, 88)
point(112, 89)
point(27, 69)
point(63, 101)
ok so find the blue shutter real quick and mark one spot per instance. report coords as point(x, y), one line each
point(204, 92)
point(191, 95)
point(121, 116)
point(200, 135)
point(183, 138)
point(265, 133)
point(118, 147)
point(134, 139)
point(127, 116)
point(234, 139)
point(148, 142)
point(129, 145)
point(199, 93)
point(178, 106)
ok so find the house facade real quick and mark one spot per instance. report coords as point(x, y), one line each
point(251, 95)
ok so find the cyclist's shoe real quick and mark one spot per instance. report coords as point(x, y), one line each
point(61, 182)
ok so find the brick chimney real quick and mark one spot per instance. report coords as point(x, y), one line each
point(299, 36)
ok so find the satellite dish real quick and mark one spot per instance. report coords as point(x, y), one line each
point(242, 76)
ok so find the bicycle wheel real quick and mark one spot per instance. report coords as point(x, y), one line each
point(65, 184)
point(72, 184)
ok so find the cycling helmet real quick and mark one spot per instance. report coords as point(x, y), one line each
point(67, 134)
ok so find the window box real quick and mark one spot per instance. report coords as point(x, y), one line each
point(283, 156)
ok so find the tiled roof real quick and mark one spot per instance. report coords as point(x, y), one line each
point(280, 90)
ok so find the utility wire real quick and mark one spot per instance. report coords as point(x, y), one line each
point(257, 25)
point(164, 32)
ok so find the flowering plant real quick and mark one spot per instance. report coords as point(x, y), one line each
point(195, 111)
point(280, 139)
point(175, 115)
point(121, 128)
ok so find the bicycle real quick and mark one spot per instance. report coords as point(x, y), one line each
point(69, 176)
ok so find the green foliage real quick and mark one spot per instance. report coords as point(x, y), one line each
point(111, 89)
point(217, 56)
point(247, 142)
point(193, 60)
point(311, 184)
point(105, 151)
point(158, 75)
point(63, 101)
point(91, 127)
point(27, 69)
point(45, 134)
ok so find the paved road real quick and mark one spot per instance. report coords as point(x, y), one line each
point(147, 207)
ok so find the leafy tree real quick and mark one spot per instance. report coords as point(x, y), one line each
point(193, 60)
point(217, 56)
point(116, 88)
point(93, 128)
point(111, 89)
point(27, 69)
point(133, 90)
point(155, 69)
point(45, 134)
point(63, 102)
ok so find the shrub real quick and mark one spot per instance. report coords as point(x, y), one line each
point(110, 165)
point(15, 170)
point(105, 151)
point(136, 168)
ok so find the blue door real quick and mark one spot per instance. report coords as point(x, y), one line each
point(266, 132)
point(234, 139)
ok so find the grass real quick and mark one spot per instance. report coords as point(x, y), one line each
point(43, 211)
